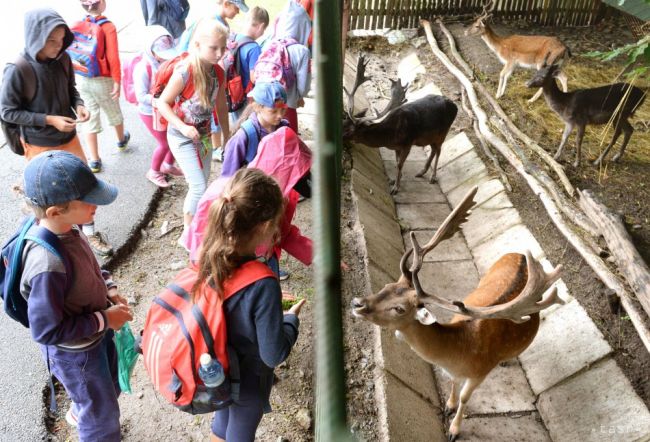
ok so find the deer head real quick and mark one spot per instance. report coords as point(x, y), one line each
point(543, 74)
point(478, 27)
point(399, 303)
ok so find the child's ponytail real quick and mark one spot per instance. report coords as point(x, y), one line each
point(249, 199)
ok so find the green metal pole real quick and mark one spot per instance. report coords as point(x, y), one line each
point(330, 376)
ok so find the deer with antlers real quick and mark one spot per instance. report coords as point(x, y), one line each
point(401, 125)
point(528, 51)
point(494, 323)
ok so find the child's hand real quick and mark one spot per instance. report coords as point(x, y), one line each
point(63, 124)
point(115, 93)
point(295, 309)
point(117, 315)
point(190, 132)
point(116, 298)
point(82, 114)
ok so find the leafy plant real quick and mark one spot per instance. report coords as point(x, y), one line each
point(638, 57)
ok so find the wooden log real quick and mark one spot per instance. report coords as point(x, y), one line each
point(628, 260)
point(594, 261)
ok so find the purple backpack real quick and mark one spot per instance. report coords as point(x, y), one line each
point(275, 64)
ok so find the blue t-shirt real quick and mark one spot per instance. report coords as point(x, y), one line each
point(248, 55)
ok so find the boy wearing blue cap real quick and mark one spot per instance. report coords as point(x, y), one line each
point(72, 315)
point(265, 114)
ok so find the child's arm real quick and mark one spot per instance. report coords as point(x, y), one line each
point(113, 58)
point(221, 107)
point(291, 239)
point(234, 153)
point(303, 72)
point(276, 332)
point(142, 83)
point(167, 99)
point(75, 98)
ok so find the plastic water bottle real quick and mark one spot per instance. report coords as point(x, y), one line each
point(211, 371)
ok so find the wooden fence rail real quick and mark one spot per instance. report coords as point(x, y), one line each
point(397, 14)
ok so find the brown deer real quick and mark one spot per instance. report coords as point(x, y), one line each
point(599, 105)
point(423, 122)
point(494, 323)
point(527, 51)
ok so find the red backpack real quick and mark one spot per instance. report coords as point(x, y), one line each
point(177, 331)
point(274, 63)
point(161, 79)
point(128, 67)
point(88, 50)
point(235, 91)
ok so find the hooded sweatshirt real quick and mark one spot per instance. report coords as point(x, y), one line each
point(286, 158)
point(56, 93)
point(141, 78)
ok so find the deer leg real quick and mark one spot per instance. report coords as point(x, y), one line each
point(466, 392)
point(579, 135)
point(617, 132)
point(435, 163)
point(435, 152)
point(627, 133)
point(401, 158)
point(564, 81)
point(537, 94)
point(503, 79)
point(452, 402)
point(568, 127)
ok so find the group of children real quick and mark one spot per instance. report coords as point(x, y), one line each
point(244, 214)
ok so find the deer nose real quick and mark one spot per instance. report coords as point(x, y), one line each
point(358, 304)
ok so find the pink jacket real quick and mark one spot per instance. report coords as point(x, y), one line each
point(286, 158)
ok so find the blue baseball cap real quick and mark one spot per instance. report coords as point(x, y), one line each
point(240, 4)
point(57, 177)
point(269, 94)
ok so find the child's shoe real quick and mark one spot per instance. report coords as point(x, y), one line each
point(170, 169)
point(217, 154)
point(121, 145)
point(99, 244)
point(70, 417)
point(283, 275)
point(158, 178)
point(95, 165)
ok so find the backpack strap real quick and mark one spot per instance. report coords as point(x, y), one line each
point(28, 76)
point(52, 244)
point(252, 139)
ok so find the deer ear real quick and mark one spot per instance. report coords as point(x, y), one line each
point(424, 316)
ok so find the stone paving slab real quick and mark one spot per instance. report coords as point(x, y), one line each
point(380, 277)
point(452, 249)
point(422, 216)
point(374, 196)
point(597, 405)
point(567, 342)
point(517, 239)
point(504, 390)
point(419, 192)
point(415, 372)
point(524, 428)
point(488, 188)
point(409, 67)
point(410, 169)
point(464, 168)
point(453, 147)
point(405, 424)
point(485, 223)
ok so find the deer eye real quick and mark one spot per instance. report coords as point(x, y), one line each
point(399, 309)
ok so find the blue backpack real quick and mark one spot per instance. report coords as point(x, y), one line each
point(252, 140)
point(177, 9)
point(15, 304)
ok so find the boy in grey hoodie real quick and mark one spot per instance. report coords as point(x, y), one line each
point(48, 120)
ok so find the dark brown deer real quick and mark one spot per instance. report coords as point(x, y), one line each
point(527, 51)
point(494, 323)
point(423, 122)
point(599, 105)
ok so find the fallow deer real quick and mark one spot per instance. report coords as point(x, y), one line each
point(600, 105)
point(401, 125)
point(527, 51)
point(494, 323)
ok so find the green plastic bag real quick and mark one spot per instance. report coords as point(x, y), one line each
point(126, 356)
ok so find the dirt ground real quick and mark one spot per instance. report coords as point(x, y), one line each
point(621, 186)
point(146, 416)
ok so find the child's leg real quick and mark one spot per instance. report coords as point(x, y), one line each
point(292, 116)
point(162, 152)
point(90, 90)
point(89, 381)
point(238, 422)
point(111, 109)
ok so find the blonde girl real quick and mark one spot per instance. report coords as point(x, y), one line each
point(189, 120)
point(245, 216)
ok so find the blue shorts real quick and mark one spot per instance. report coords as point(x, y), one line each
point(239, 422)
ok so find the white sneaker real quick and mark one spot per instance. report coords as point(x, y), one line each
point(70, 418)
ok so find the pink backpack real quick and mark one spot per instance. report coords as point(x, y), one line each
point(275, 64)
point(127, 77)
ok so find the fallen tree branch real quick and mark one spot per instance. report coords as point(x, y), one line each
point(628, 260)
point(532, 145)
point(550, 205)
point(483, 143)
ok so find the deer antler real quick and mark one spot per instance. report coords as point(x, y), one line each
point(529, 301)
point(360, 78)
point(488, 8)
point(446, 230)
point(397, 97)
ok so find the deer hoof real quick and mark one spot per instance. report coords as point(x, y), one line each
point(420, 174)
point(616, 157)
point(576, 164)
point(433, 179)
point(597, 162)
point(393, 190)
point(449, 411)
point(452, 437)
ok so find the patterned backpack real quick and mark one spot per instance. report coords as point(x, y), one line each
point(87, 51)
point(128, 67)
point(235, 91)
point(275, 64)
